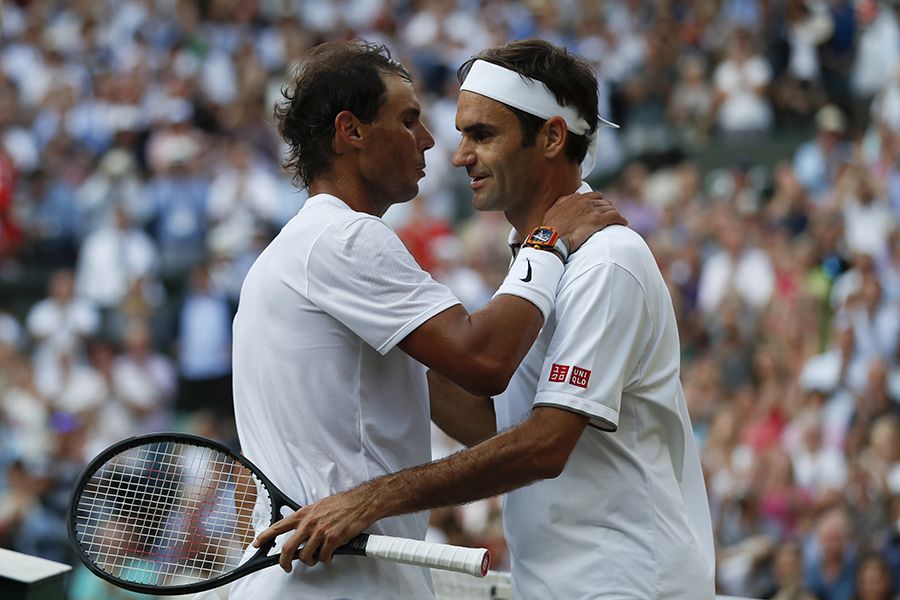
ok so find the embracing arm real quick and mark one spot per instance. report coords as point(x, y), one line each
point(536, 449)
point(467, 418)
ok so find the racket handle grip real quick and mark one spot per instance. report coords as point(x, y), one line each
point(472, 561)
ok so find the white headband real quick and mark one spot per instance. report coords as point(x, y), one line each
point(532, 96)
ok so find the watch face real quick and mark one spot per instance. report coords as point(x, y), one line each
point(542, 235)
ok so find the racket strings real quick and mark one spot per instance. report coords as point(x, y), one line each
point(169, 514)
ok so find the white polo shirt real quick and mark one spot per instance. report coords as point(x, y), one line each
point(628, 517)
point(323, 399)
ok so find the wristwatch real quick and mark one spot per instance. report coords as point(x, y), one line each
point(547, 238)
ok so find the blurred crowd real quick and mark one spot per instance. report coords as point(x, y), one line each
point(140, 176)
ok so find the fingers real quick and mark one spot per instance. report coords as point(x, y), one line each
point(609, 215)
point(289, 550)
point(274, 531)
point(326, 551)
point(317, 546)
point(310, 553)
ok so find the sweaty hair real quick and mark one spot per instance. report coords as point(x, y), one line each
point(567, 76)
point(327, 79)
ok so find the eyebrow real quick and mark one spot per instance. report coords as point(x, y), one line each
point(475, 127)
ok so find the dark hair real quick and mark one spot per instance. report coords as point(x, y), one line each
point(327, 79)
point(570, 79)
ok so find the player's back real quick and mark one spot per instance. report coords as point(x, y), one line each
point(318, 408)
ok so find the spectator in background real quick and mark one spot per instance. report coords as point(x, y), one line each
point(873, 579)
point(691, 102)
point(12, 335)
point(831, 557)
point(115, 181)
point(451, 268)
point(818, 162)
point(244, 197)
point(889, 544)
point(879, 459)
point(60, 324)
point(144, 380)
point(50, 220)
point(888, 267)
point(738, 268)
point(740, 82)
point(113, 258)
point(868, 220)
point(797, 91)
point(787, 567)
point(178, 192)
point(875, 323)
point(420, 231)
point(631, 198)
point(204, 347)
point(877, 59)
point(18, 501)
point(838, 52)
point(10, 232)
point(819, 468)
point(834, 376)
point(23, 409)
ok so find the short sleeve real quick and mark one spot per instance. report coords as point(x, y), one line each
point(602, 327)
point(361, 274)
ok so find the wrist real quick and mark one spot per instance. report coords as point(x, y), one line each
point(534, 276)
point(547, 238)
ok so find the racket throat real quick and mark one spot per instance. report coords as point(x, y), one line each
point(356, 546)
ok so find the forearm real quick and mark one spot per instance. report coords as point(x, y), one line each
point(493, 467)
point(465, 417)
point(536, 449)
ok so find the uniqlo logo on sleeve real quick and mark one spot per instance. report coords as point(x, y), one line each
point(580, 377)
point(558, 373)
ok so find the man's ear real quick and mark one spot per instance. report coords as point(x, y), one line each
point(556, 134)
point(347, 135)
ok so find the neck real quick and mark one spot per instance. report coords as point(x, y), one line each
point(344, 183)
point(551, 189)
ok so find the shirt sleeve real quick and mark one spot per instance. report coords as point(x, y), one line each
point(602, 327)
point(361, 274)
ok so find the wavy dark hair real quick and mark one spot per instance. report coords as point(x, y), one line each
point(569, 77)
point(327, 79)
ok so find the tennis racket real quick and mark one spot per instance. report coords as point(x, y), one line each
point(175, 514)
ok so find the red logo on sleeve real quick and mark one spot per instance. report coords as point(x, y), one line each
point(580, 377)
point(558, 373)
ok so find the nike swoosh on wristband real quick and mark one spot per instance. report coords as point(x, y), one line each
point(527, 277)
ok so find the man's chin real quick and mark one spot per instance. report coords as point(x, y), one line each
point(481, 202)
point(410, 194)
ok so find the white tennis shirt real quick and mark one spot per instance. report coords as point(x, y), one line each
point(323, 399)
point(628, 517)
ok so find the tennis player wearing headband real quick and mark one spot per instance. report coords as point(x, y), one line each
point(594, 419)
point(336, 319)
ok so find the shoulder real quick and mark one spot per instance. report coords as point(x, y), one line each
point(618, 251)
point(325, 214)
point(615, 244)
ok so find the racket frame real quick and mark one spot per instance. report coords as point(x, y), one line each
point(258, 561)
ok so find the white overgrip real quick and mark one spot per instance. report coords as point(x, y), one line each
point(473, 561)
